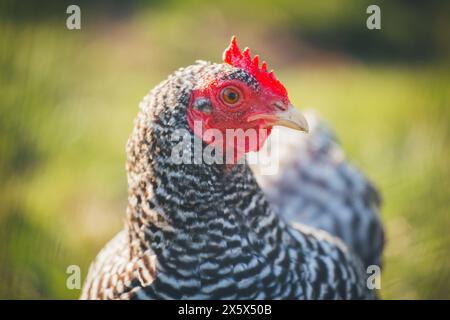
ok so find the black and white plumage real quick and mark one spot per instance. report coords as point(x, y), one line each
point(202, 231)
point(316, 186)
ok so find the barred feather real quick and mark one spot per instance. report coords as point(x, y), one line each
point(318, 187)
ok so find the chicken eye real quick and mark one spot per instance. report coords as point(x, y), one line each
point(230, 95)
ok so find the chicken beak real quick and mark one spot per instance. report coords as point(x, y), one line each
point(286, 117)
point(291, 118)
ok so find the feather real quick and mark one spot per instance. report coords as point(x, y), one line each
point(316, 186)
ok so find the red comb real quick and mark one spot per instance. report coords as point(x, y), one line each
point(233, 56)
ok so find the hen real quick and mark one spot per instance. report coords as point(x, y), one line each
point(202, 229)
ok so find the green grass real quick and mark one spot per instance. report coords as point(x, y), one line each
point(68, 100)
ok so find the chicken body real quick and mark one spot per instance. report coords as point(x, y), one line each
point(207, 231)
point(316, 186)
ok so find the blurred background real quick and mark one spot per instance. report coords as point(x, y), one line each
point(68, 100)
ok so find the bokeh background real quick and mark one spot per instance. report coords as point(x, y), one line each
point(68, 100)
